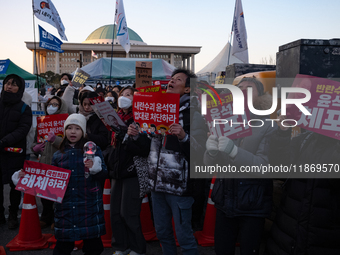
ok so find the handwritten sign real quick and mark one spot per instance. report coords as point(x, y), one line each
point(143, 74)
point(45, 181)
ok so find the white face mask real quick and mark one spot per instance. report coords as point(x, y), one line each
point(124, 102)
point(110, 99)
point(63, 82)
point(51, 109)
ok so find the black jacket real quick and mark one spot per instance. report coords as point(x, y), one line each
point(15, 123)
point(308, 218)
point(97, 132)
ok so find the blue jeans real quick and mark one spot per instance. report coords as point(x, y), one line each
point(166, 207)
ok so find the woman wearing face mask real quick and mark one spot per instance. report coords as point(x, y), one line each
point(125, 201)
point(112, 98)
point(55, 105)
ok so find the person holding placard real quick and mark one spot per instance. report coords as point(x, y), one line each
point(169, 176)
point(55, 105)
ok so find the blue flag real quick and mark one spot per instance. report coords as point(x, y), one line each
point(3, 66)
point(49, 41)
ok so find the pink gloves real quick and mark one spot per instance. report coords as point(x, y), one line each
point(51, 137)
point(39, 147)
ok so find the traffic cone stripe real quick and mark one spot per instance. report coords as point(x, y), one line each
point(145, 200)
point(210, 201)
point(211, 186)
point(107, 192)
point(28, 206)
point(106, 207)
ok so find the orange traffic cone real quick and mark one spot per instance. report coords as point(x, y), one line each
point(2, 250)
point(106, 239)
point(146, 221)
point(206, 236)
point(77, 244)
point(29, 237)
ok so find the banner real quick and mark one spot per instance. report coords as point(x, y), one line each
point(45, 181)
point(4, 65)
point(324, 105)
point(107, 114)
point(45, 11)
point(232, 125)
point(157, 88)
point(240, 46)
point(49, 41)
point(155, 112)
point(48, 123)
point(121, 26)
point(143, 74)
point(79, 77)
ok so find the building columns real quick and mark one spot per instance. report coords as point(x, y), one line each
point(192, 63)
point(172, 59)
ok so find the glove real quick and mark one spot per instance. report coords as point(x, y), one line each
point(97, 165)
point(51, 137)
point(212, 145)
point(226, 145)
point(39, 148)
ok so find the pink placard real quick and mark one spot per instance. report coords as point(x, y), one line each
point(45, 181)
point(324, 105)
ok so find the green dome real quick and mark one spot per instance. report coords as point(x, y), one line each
point(105, 32)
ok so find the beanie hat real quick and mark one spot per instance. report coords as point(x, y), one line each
point(76, 119)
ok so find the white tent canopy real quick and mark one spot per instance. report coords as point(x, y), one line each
point(220, 62)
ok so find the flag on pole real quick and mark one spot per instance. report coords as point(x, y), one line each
point(94, 54)
point(240, 46)
point(45, 11)
point(121, 25)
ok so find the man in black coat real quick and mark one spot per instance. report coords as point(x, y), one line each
point(15, 123)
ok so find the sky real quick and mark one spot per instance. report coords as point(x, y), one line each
point(269, 24)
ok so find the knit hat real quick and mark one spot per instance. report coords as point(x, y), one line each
point(76, 119)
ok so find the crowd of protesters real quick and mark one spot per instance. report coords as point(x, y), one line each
point(307, 219)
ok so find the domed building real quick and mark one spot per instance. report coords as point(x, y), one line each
point(99, 45)
point(103, 35)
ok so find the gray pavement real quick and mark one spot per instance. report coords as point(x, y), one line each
point(6, 235)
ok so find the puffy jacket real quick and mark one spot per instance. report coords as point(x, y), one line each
point(97, 132)
point(308, 218)
point(81, 215)
point(247, 196)
point(15, 123)
point(169, 158)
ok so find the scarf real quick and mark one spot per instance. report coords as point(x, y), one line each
point(86, 114)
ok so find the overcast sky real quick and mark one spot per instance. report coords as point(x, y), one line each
point(269, 24)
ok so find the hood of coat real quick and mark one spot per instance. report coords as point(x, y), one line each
point(63, 107)
point(13, 97)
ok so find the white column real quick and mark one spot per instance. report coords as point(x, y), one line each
point(172, 59)
point(35, 71)
point(56, 62)
point(128, 55)
point(44, 63)
point(104, 54)
point(193, 63)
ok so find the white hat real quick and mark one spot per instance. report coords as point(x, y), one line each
point(76, 119)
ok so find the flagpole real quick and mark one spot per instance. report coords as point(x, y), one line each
point(35, 48)
point(231, 34)
point(113, 39)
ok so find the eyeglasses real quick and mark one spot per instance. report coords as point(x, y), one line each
point(53, 104)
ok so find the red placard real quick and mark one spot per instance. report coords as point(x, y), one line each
point(234, 128)
point(324, 105)
point(46, 181)
point(54, 123)
point(155, 112)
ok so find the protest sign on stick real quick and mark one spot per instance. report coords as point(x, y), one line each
point(79, 78)
point(45, 181)
point(143, 73)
